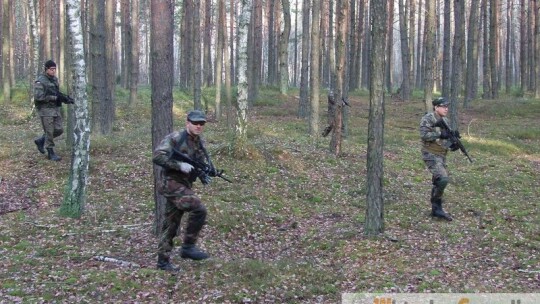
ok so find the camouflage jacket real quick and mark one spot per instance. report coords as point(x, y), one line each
point(45, 89)
point(430, 135)
point(193, 146)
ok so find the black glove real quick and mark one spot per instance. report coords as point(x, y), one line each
point(456, 134)
point(65, 98)
point(454, 147)
point(445, 134)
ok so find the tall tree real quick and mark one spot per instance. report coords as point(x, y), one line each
point(272, 56)
point(284, 47)
point(429, 54)
point(98, 60)
point(108, 110)
point(405, 53)
point(220, 45)
point(494, 47)
point(471, 76)
point(419, 54)
point(162, 84)
point(303, 105)
point(207, 44)
point(314, 70)
point(446, 70)
point(197, 56)
point(342, 17)
point(75, 194)
point(389, 46)
point(135, 46)
point(241, 124)
point(6, 46)
point(374, 223)
point(537, 50)
point(523, 45)
point(486, 82)
point(457, 60)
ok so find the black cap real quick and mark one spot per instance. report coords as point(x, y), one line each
point(441, 101)
point(49, 64)
point(196, 115)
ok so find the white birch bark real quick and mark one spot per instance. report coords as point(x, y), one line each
point(243, 24)
point(75, 194)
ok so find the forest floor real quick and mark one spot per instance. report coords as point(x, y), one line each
point(290, 227)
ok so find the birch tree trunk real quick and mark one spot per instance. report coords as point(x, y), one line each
point(75, 193)
point(374, 224)
point(241, 124)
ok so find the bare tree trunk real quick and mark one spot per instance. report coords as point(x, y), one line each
point(75, 194)
point(314, 70)
point(219, 55)
point(295, 43)
point(523, 46)
point(125, 57)
point(374, 224)
point(389, 46)
point(197, 57)
point(284, 48)
point(405, 56)
point(207, 69)
point(419, 54)
point(241, 125)
point(162, 84)
point(537, 51)
point(430, 56)
point(485, 62)
point(471, 76)
point(457, 61)
point(446, 70)
point(98, 60)
point(109, 108)
point(494, 48)
point(135, 46)
point(6, 46)
point(341, 29)
point(232, 54)
point(272, 57)
point(303, 106)
point(229, 73)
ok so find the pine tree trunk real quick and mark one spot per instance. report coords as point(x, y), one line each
point(162, 71)
point(135, 46)
point(374, 224)
point(303, 105)
point(429, 64)
point(314, 70)
point(284, 48)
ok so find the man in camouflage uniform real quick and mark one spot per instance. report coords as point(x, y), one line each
point(178, 178)
point(49, 108)
point(435, 146)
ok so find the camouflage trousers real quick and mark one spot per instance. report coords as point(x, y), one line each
point(180, 199)
point(52, 123)
point(436, 164)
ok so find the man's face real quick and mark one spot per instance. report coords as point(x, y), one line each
point(441, 110)
point(51, 71)
point(195, 127)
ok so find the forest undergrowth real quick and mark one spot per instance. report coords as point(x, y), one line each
point(289, 229)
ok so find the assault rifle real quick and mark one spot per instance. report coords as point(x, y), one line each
point(453, 137)
point(61, 97)
point(202, 170)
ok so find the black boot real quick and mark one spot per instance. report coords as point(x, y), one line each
point(52, 155)
point(189, 251)
point(437, 210)
point(164, 263)
point(40, 143)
